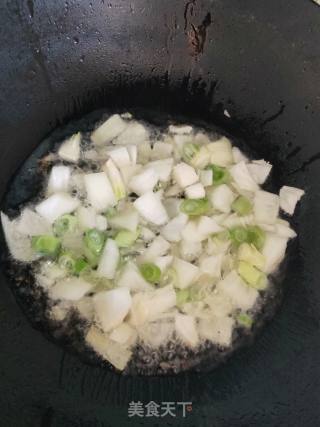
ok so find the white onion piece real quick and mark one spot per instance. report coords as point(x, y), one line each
point(131, 278)
point(87, 217)
point(111, 307)
point(172, 230)
point(133, 153)
point(284, 231)
point(186, 329)
point(144, 152)
point(70, 289)
point(120, 156)
point(274, 250)
point(222, 198)
point(19, 244)
point(238, 155)
point(59, 179)
point(127, 219)
point(187, 273)
point(134, 134)
point(99, 191)
point(163, 168)
point(116, 180)
point(146, 234)
point(172, 206)
point(150, 207)
point(211, 265)
point(70, 149)
point(163, 262)
point(242, 177)
point(207, 226)
point(124, 334)
point(195, 191)
point(156, 333)
point(189, 251)
point(117, 354)
point(184, 175)
point(220, 152)
point(147, 306)
point(158, 247)
point(109, 130)
point(143, 182)
point(217, 329)
point(289, 197)
point(101, 222)
point(32, 224)
point(266, 207)
point(259, 170)
point(56, 205)
point(85, 308)
point(206, 177)
point(220, 304)
point(161, 150)
point(180, 129)
point(241, 295)
point(129, 171)
point(109, 260)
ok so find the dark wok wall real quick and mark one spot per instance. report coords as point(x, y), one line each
point(260, 61)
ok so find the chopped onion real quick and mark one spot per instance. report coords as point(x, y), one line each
point(217, 329)
point(156, 333)
point(133, 153)
point(115, 178)
point(127, 219)
point(266, 207)
point(109, 130)
point(19, 244)
point(274, 250)
point(195, 191)
point(189, 251)
point(118, 355)
point(163, 168)
point(241, 295)
point(158, 247)
point(206, 177)
point(238, 155)
point(101, 223)
point(222, 197)
point(180, 129)
point(129, 171)
point(242, 177)
point(85, 308)
point(187, 273)
point(87, 217)
point(109, 260)
point(172, 230)
point(120, 156)
point(211, 265)
point(134, 134)
point(220, 152)
point(131, 278)
point(172, 206)
point(32, 224)
point(202, 158)
point(207, 226)
point(111, 307)
point(99, 191)
point(163, 262)
point(70, 289)
point(146, 234)
point(289, 197)
point(124, 334)
point(59, 179)
point(56, 205)
point(184, 175)
point(144, 153)
point(70, 149)
point(161, 150)
point(220, 304)
point(143, 182)
point(150, 207)
point(284, 231)
point(186, 329)
point(259, 170)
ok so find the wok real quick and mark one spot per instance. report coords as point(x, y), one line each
point(192, 59)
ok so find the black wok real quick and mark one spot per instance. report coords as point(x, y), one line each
point(258, 60)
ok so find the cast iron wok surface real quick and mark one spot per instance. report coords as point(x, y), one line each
point(258, 60)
